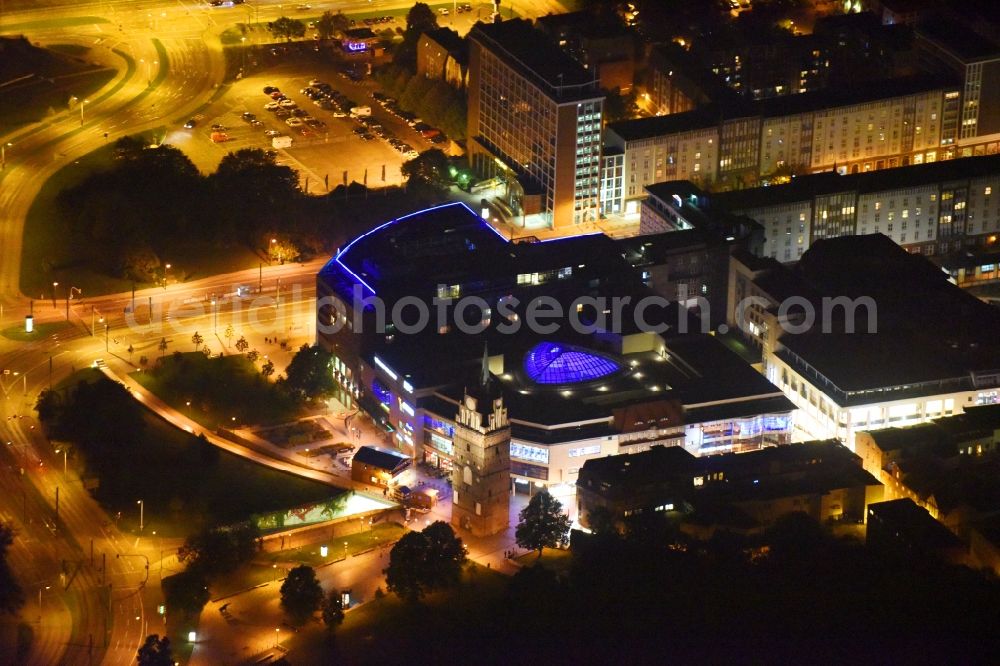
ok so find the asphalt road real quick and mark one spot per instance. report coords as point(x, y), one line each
point(88, 614)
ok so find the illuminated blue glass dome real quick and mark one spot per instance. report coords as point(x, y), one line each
point(554, 363)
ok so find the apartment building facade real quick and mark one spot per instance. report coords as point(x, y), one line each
point(534, 121)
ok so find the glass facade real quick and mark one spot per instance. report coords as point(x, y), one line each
point(552, 363)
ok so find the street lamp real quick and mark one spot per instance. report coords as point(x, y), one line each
point(54, 285)
point(82, 102)
point(142, 508)
point(69, 297)
point(40, 602)
point(243, 48)
point(63, 451)
point(277, 630)
point(3, 154)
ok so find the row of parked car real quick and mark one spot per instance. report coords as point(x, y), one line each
point(430, 133)
point(288, 110)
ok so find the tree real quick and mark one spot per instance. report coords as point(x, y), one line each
point(155, 652)
point(130, 350)
point(11, 594)
point(333, 611)
point(163, 346)
point(330, 24)
point(542, 524)
point(242, 345)
point(429, 170)
point(253, 355)
point(186, 592)
point(48, 406)
point(419, 19)
point(405, 573)
point(602, 522)
point(267, 369)
point(228, 335)
point(138, 262)
point(196, 340)
point(301, 593)
point(214, 552)
point(425, 561)
point(310, 374)
point(620, 107)
point(286, 27)
point(445, 555)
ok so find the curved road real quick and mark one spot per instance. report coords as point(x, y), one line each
point(170, 63)
point(87, 615)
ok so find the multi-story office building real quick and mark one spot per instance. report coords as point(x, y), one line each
point(934, 209)
point(571, 392)
point(535, 118)
point(746, 491)
point(897, 123)
point(945, 45)
point(862, 335)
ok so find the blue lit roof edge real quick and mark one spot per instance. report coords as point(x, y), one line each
point(347, 247)
point(562, 238)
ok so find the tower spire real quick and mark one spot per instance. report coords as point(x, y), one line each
point(484, 376)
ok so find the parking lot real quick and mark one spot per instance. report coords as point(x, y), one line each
point(322, 154)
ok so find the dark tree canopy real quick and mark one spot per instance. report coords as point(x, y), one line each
point(310, 374)
point(419, 19)
point(214, 552)
point(301, 594)
point(330, 24)
point(424, 561)
point(333, 610)
point(428, 171)
point(542, 524)
point(11, 595)
point(186, 592)
point(286, 27)
point(155, 651)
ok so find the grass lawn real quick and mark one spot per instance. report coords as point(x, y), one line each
point(51, 253)
point(43, 80)
point(40, 332)
point(186, 484)
point(218, 389)
point(199, 260)
point(388, 631)
point(69, 49)
point(382, 533)
point(554, 559)
point(48, 251)
point(48, 24)
point(272, 566)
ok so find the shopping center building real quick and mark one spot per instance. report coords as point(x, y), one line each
point(576, 387)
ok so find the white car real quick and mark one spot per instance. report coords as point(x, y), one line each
point(272, 106)
point(288, 104)
point(294, 122)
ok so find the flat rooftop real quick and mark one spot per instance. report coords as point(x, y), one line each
point(805, 188)
point(961, 42)
point(787, 105)
point(928, 335)
point(532, 54)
